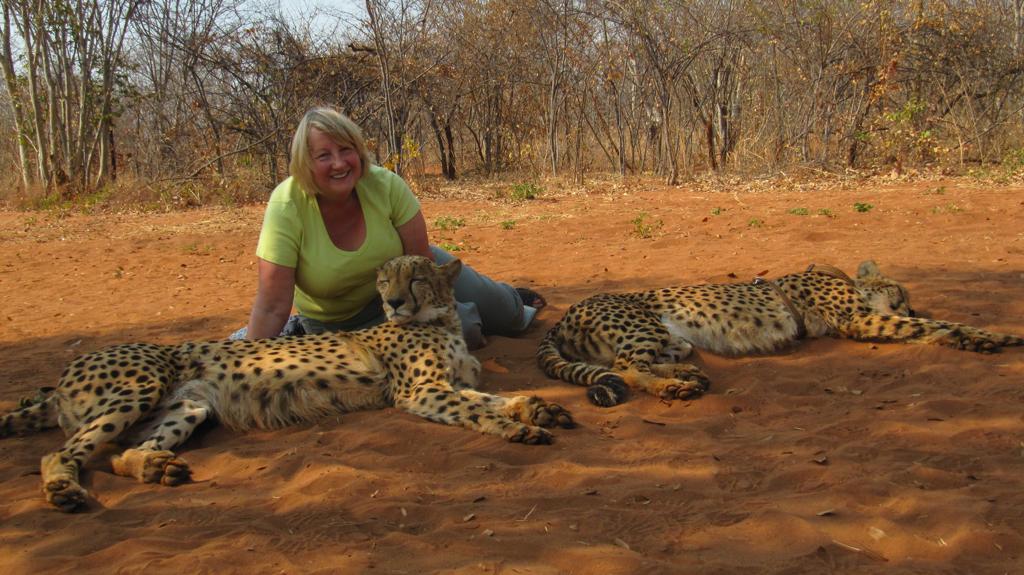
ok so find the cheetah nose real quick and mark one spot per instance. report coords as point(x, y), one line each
point(396, 303)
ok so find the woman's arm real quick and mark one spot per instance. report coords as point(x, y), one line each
point(274, 298)
point(414, 237)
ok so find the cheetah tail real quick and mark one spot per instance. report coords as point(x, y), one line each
point(1011, 341)
point(605, 388)
point(34, 417)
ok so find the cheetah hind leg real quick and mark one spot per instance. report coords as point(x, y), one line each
point(152, 461)
point(59, 470)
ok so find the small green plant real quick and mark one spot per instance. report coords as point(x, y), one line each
point(862, 207)
point(947, 209)
point(642, 228)
point(449, 223)
point(508, 224)
point(799, 211)
point(190, 248)
point(524, 191)
point(1013, 162)
point(826, 212)
point(450, 247)
point(53, 203)
point(717, 211)
point(939, 191)
point(755, 223)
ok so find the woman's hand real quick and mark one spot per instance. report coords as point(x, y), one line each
point(273, 303)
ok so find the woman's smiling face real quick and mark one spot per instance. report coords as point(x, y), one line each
point(336, 167)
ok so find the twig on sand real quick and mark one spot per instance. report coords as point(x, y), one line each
point(528, 513)
point(866, 552)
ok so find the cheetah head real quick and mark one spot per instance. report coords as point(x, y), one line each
point(882, 294)
point(414, 289)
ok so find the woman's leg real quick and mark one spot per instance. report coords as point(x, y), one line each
point(495, 306)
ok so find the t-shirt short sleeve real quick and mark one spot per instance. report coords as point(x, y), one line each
point(281, 234)
point(404, 204)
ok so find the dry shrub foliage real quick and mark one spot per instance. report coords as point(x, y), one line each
point(552, 93)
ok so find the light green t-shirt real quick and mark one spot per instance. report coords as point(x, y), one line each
point(332, 284)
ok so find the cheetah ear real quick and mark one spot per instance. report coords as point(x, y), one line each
point(868, 268)
point(451, 270)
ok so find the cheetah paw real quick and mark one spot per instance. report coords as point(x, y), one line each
point(165, 468)
point(65, 495)
point(151, 466)
point(551, 415)
point(531, 435)
point(685, 387)
point(978, 344)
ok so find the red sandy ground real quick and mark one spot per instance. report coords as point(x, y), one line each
point(835, 456)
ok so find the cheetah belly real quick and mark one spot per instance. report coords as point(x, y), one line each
point(734, 336)
point(270, 392)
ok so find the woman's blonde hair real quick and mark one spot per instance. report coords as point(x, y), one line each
point(338, 128)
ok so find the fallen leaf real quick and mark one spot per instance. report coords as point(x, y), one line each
point(493, 366)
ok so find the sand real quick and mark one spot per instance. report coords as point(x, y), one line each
point(834, 456)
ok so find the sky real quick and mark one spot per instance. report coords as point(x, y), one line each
point(301, 6)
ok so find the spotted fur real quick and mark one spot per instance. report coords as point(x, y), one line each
point(613, 342)
point(152, 397)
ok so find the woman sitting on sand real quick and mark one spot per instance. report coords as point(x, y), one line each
point(329, 226)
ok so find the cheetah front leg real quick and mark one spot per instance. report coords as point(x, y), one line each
point(519, 420)
point(152, 460)
point(530, 410)
point(877, 327)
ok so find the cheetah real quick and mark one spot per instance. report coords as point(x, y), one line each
point(150, 398)
point(612, 342)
